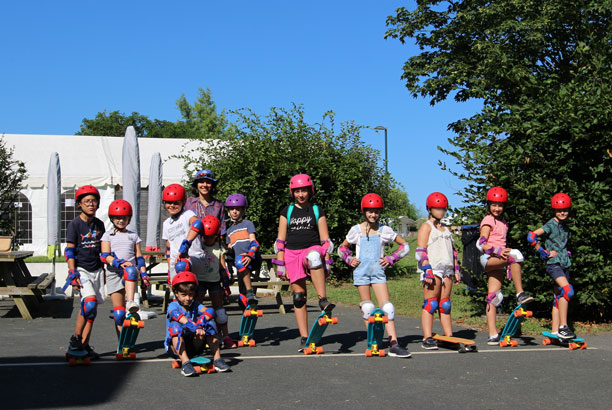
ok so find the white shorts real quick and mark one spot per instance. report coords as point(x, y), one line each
point(93, 284)
point(441, 273)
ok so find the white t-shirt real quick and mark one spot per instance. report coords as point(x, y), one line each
point(386, 235)
point(440, 249)
point(175, 230)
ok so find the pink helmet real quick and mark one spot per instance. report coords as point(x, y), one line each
point(561, 201)
point(301, 181)
point(174, 192)
point(436, 200)
point(497, 194)
point(120, 207)
point(372, 201)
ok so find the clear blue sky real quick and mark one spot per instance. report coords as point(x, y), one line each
point(65, 61)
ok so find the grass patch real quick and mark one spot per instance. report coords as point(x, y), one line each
point(43, 259)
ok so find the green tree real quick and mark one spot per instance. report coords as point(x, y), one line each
point(11, 180)
point(265, 152)
point(543, 72)
point(115, 123)
point(398, 204)
point(201, 120)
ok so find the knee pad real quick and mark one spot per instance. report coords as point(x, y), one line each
point(220, 316)
point(182, 265)
point(430, 305)
point(495, 298)
point(314, 260)
point(516, 255)
point(445, 306)
point(119, 315)
point(174, 329)
point(389, 310)
point(130, 274)
point(567, 292)
point(89, 308)
point(299, 299)
point(238, 262)
point(367, 307)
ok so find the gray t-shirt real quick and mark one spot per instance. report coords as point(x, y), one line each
point(122, 244)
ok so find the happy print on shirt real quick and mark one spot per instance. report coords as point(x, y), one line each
point(298, 224)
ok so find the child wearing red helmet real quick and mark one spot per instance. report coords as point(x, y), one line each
point(303, 249)
point(85, 270)
point(190, 326)
point(121, 251)
point(437, 263)
point(369, 263)
point(497, 259)
point(558, 262)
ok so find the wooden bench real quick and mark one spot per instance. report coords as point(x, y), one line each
point(15, 281)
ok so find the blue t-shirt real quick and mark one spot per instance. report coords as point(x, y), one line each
point(238, 236)
point(86, 236)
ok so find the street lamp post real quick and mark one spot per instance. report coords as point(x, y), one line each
point(378, 128)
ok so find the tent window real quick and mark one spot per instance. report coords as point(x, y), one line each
point(68, 211)
point(22, 220)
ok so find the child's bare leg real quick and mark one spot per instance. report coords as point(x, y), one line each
point(364, 295)
point(494, 285)
point(318, 281)
point(245, 276)
point(213, 343)
point(445, 317)
point(427, 317)
point(562, 305)
point(130, 289)
point(301, 315)
point(216, 298)
point(181, 353)
point(515, 271)
point(381, 291)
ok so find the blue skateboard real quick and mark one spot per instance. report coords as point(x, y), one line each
point(572, 344)
point(513, 325)
point(376, 333)
point(127, 338)
point(317, 330)
point(247, 325)
point(200, 364)
point(75, 357)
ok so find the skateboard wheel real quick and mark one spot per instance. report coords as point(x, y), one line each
point(140, 324)
point(127, 323)
point(334, 320)
point(240, 343)
point(573, 346)
point(546, 341)
point(319, 349)
point(385, 319)
point(251, 343)
point(529, 313)
point(503, 343)
point(308, 350)
point(518, 313)
point(197, 369)
point(322, 321)
point(583, 346)
point(368, 353)
point(210, 369)
point(87, 361)
point(247, 313)
point(382, 353)
point(71, 362)
point(513, 343)
point(176, 364)
point(259, 313)
point(118, 356)
point(371, 319)
point(132, 355)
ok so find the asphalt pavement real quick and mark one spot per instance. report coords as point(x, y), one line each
point(273, 375)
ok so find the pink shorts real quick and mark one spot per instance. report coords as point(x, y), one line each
point(296, 263)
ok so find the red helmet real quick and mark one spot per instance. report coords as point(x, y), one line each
point(174, 192)
point(436, 200)
point(373, 201)
point(86, 190)
point(301, 181)
point(184, 277)
point(211, 225)
point(561, 201)
point(497, 194)
point(120, 207)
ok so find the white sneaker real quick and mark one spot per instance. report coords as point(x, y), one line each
point(132, 306)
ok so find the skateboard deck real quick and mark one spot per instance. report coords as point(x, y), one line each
point(513, 325)
point(201, 364)
point(127, 338)
point(77, 357)
point(572, 344)
point(316, 332)
point(247, 325)
point(376, 333)
point(465, 345)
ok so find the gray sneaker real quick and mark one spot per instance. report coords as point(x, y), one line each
point(221, 366)
point(493, 340)
point(188, 370)
point(429, 344)
point(302, 344)
point(398, 351)
point(523, 298)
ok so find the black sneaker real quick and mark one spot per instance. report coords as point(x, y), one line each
point(326, 305)
point(76, 343)
point(429, 343)
point(188, 370)
point(523, 298)
point(221, 366)
point(398, 351)
point(566, 333)
point(90, 352)
point(493, 340)
point(251, 298)
point(302, 344)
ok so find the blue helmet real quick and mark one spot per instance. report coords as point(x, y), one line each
point(203, 174)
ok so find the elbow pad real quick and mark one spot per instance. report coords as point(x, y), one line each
point(103, 256)
point(197, 226)
point(253, 248)
point(140, 262)
point(421, 256)
point(328, 245)
point(279, 246)
point(532, 239)
point(70, 253)
point(345, 253)
point(481, 243)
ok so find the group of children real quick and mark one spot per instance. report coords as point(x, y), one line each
point(200, 250)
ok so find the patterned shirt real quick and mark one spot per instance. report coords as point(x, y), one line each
point(557, 236)
point(214, 208)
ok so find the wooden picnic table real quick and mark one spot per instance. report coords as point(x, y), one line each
point(160, 279)
point(16, 281)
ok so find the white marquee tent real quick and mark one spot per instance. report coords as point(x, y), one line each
point(85, 160)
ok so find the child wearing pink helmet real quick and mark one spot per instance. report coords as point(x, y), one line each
point(303, 249)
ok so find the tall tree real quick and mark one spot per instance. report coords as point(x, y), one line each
point(11, 179)
point(543, 72)
point(201, 120)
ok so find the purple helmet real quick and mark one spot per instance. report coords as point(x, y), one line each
point(236, 200)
